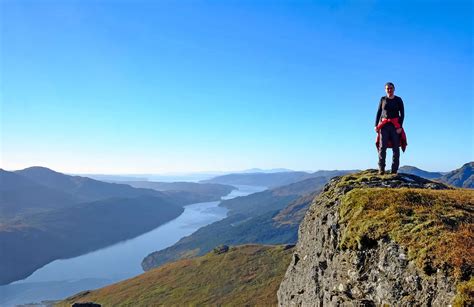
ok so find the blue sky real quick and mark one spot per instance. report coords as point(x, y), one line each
point(164, 86)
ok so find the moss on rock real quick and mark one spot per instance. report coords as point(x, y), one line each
point(435, 225)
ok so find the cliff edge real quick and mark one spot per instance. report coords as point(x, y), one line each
point(370, 240)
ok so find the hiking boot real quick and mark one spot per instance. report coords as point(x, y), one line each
point(381, 172)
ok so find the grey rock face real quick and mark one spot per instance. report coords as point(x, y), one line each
point(375, 274)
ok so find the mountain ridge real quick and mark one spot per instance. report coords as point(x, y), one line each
point(462, 177)
point(84, 188)
point(413, 170)
point(272, 180)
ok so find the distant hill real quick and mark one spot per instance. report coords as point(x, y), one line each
point(35, 240)
point(462, 177)
point(38, 189)
point(419, 172)
point(293, 214)
point(274, 199)
point(20, 195)
point(12, 181)
point(243, 276)
point(271, 180)
point(260, 179)
point(82, 188)
point(260, 170)
point(113, 178)
point(209, 191)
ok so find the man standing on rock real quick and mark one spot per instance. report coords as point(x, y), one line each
point(388, 125)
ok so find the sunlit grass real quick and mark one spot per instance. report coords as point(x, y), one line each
point(435, 225)
point(245, 275)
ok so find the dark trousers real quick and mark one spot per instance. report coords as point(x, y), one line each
point(389, 133)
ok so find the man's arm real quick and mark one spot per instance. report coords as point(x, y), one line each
point(402, 112)
point(379, 113)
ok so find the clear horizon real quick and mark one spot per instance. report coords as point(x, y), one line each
point(216, 172)
point(143, 87)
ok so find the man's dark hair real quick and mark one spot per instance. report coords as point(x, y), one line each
point(390, 84)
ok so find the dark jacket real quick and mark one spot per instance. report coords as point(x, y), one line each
point(390, 108)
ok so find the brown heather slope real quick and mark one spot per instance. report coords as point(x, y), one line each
point(244, 275)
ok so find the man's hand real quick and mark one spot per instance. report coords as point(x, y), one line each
point(399, 130)
point(376, 130)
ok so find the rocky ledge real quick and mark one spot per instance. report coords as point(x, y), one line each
point(370, 240)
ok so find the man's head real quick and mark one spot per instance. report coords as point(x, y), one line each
point(389, 89)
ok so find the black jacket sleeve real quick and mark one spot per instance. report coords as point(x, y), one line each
point(379, 113)
point(402, 112)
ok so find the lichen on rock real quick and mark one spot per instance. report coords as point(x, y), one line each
point(374, 240)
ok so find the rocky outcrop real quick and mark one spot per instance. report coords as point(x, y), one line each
point(87, 304)
point(370, 240)
point(221, 249)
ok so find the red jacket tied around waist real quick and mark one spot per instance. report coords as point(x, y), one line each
point(403, 138)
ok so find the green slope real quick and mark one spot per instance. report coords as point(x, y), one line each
point(244, 275)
